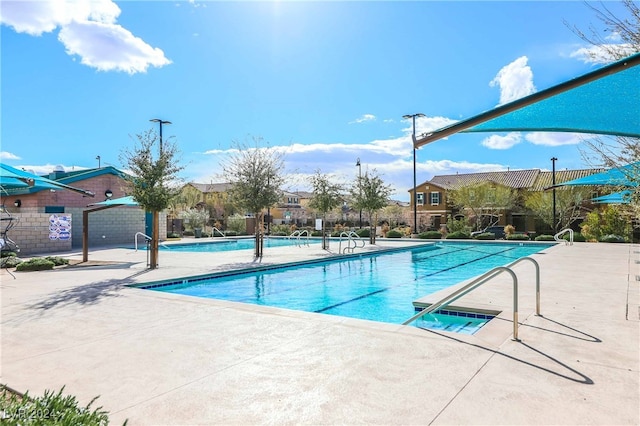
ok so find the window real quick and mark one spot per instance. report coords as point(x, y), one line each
point(292, 200)
point(435, 198)
point(420, 199)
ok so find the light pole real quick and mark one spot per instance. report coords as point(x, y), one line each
point(98, 158)
point(157, 120)
point(360, 187)
point(553, 183)
point(413, 142)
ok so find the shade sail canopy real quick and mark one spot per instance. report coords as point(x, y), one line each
point(625, 176)
point(123, 201)
point(10, 178)
point(622, 197)
point(605, 101)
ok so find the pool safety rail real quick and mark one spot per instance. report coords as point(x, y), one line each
point(214, 229)
point(352, 237)
point(298, 234)
point(477, 283)
point(564, 231)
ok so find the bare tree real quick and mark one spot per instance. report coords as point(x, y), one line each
point(255, 174)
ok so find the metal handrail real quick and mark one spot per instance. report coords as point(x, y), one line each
point(564, 231)
point(352, 235)
point(213, 228)
point(135, 238)
point(299, 233)
point(468, 288)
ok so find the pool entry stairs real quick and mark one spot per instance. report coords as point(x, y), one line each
point(437, 308)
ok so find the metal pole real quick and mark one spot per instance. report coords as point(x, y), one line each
point(553, 183)
point(415, 194)
point(359, 187)
point(161, 122)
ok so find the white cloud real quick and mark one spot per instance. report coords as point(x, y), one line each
point(109, 47)
point(601, 54)
point(515, 81)
point(87, 28)
point(5, 155)
point(554, 138)
point(502, 141)
point(364, 118)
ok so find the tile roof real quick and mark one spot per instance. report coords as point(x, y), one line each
point(545, 179)
point(211, 187)
point(511, 178)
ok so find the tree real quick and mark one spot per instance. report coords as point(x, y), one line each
point(486, 199)
point(370, 194)
point(568, 205)
point(154, 184)
point(326, 197)
point(255, 177)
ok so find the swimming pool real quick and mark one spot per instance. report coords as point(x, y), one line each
point(226, 244)
point(377, 287)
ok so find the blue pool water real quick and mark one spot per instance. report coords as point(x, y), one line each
point(379, 287)
point(226, 244)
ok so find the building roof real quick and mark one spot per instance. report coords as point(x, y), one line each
point(211, 187)
point(545, 179)
point(511, 178)
point(79, 175)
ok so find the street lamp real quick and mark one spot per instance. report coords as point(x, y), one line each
point(413, 142)
point(553, 183)
point(360, 187)
point(98, 158)
point(157, 120)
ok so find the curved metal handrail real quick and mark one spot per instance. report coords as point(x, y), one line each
point(146, 237)
point(213, 228)
point(298, 234)
point(481, 280)
point(352, 236)
point(564, 231)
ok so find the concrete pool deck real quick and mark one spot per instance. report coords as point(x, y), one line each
point(158, 358)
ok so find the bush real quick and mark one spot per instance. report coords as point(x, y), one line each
point(50, 409)
point(577, 237)
point(315, 233)
point(518, 237)
point(188, 233)
point(545, 237)
point(394, 234)
point(7, 253)
point(35, 264)
point(236, 223)
point(611, 238)
point(458, 235)
point(10, 262)
point(173, 235)
point(230, 233)
point(485, 236)
point(430, 235)
point(57, 261)
point(279, 234)
point(364, 232)
point(454, 225)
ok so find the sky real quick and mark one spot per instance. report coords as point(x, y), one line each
point(324, 82)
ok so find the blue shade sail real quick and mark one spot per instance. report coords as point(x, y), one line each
point(17, 182)
point(605, 101)
point(124, 201)
point(622, 197)
point(625, 176)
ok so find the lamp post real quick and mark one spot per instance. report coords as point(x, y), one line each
point(553, 183)
point(98, 158)
point(413, 142)
point(360, 187)
point(161, 122)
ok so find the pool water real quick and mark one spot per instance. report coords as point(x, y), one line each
point(378, 287)
point(225, 244)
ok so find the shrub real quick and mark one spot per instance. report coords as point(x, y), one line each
point(10, 262)
point(611, 238)
point(236, 223)
point(394, 234)
point(315, 233)
point(430, 235)
point(458, 235)
point(364, 232)
point(485, 236)
point(230, 233)
point(173, 235)
point(50, 409)
point(204, 234)
point(279, 234)
point(454, 225)
point(280, 229)
point(509, 230)
point(545, 237)
point(7, 253)
point(57, 261)
point(188, 233)
point(577, 237)
point(35, 264)
point(520, 237)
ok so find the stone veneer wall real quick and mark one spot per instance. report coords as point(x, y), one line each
point(107, 227)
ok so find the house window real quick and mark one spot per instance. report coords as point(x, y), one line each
point(435, 198)
point(420, 199)
point(292, 200)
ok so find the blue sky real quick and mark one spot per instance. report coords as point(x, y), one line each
point(326, 82)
